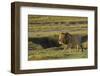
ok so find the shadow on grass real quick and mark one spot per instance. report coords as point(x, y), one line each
point(49, 42)
point(45, 42)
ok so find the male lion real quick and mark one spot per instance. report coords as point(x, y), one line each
point(70, 41)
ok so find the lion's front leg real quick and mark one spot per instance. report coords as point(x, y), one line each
point(65, 46)
point(69, 47)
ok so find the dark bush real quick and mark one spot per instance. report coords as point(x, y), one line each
point(45, 42)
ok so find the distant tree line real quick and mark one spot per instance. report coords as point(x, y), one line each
point(58, 23)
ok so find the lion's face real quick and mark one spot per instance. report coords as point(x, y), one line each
point(61, 38)
point(64, 38)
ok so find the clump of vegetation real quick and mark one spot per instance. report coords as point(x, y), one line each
point(33, 46)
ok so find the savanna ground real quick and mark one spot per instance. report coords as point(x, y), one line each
point(43, 33)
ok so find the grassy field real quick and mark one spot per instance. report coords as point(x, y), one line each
point(43, 35)
point(52, 53)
